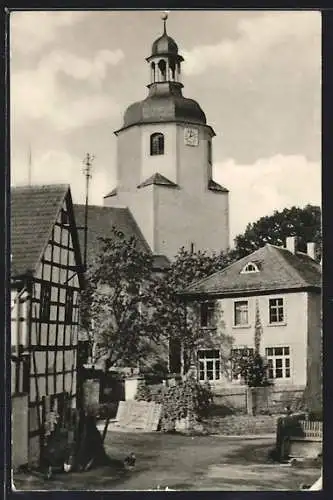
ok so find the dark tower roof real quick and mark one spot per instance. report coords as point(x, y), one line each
point(165, 101)
point(164, 45)
point(164, 108)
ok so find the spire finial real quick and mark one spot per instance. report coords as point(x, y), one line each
point(164, 17)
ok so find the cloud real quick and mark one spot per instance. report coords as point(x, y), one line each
point(40, 94)
point(258, 36)
point(79, 68)
point(31, 31)
point(269, 184)
point(55, 166)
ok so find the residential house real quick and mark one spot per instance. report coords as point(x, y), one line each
point(279, 290)
point(46, 279)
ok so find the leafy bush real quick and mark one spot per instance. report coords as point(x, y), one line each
point(316, 415)
point(143, 392)
point(187, 399)
point(252, 368)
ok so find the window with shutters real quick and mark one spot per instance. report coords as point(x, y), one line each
point(45, 301)
point(69, 305)
point(241, 313)
point(207, 315)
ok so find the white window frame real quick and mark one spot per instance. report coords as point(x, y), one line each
point(284, 362)
point(277, 307)
point(249, 268)
point(202, 363)
point(240, 325)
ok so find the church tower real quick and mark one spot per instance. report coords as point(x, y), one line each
point(164, 163)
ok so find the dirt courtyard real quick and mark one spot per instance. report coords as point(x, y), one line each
point(181, 463)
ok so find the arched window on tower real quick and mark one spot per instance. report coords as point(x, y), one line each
point(172, 70)
point(162, 68)
point(157, 144)
point(152, 72)
point(210, 153)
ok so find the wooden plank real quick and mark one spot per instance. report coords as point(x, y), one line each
point(53, 348)
point(138, 415)
point(56, 284)
point(58, 265)
point(50, 321)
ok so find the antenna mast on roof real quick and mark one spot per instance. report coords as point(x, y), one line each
point(87, 162)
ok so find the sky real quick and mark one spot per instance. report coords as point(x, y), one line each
point(256, 75)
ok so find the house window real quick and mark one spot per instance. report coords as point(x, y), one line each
point(207, 310)
point(236, 355)
point(276, 313)
point(45, 301)
point(278, 360)
point(157, 144)
point(64, 218)
point(209, 365)
point(250, 267)
point(69, 305)
point(241, 313)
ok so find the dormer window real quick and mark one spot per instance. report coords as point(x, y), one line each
point(157, 144)
point(250, 267)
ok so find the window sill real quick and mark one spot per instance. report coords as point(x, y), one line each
point(282, 323)
point(237, 327)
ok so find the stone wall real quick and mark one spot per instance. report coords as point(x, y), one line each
point(273, 400)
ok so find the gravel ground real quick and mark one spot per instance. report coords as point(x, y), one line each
point(181, 463)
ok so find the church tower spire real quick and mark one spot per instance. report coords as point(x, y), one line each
point(164, 162)
point(165, 65)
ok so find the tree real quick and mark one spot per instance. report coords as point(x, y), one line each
point(115, 306)
point(178, 321)
point(305, 223)
point(135, 314)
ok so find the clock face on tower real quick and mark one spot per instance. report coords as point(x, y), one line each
point(191, 136)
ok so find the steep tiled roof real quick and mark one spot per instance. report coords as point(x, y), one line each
point(158, 180)
point(101, 220)
point(279, 269)
point(34, 210)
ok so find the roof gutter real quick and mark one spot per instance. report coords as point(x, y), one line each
point(191, 296)
point(158, 122)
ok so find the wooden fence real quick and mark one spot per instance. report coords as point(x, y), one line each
point(312, 430)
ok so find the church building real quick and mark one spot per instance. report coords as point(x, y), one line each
point(165, 164)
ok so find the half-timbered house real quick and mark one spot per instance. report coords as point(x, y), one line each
point(46, 279)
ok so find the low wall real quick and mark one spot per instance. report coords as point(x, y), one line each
point(233, 398)
point(272, 399)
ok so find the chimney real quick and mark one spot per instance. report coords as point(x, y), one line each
point(311, 249)
point(291, 242)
